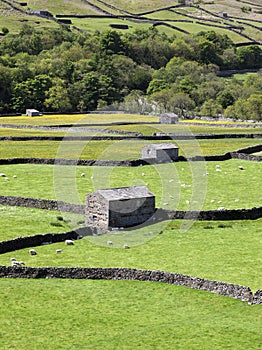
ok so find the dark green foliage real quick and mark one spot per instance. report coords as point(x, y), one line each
point(58, 70)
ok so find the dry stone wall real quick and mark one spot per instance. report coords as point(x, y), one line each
point(227, 289)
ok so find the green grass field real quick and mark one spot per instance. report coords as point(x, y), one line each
point(81, 314)
point(223, 251)
point(63, 314)
point(181, 181)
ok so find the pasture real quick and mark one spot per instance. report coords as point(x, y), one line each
point(14, 19)
point(90, 314)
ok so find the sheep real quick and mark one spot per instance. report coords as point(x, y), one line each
point(212, 201)
point(109, 242)
point(32, 252)
point(69, 242)
point(12, 259)
point(83, 175)
point(58, 251)
point(143, 174)
point(126, 246)
point(14, 176)
point(17, 263)
point(171, 180)
point(218, 170)
point(221, 208)
point(241, 167)
point(2, 175)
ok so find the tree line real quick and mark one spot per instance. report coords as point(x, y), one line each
point(58, 70)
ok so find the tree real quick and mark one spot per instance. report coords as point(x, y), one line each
point(111, 43)
point(31, 93)
point(225, 98)
point(156, 85)
point(211, 108)
point(57, 97)
point(181, 102)
point(249, 57)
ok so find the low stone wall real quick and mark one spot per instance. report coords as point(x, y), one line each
point(212, 215)
point(41, 239)
point(161, 214)
point(45, 204)
point(257, 299)
point(227, 289)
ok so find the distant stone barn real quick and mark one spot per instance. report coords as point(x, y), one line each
point(32, 112)
point(168, 118)
point(119, 207)
point(160, 152)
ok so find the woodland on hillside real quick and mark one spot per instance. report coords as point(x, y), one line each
point(58, 70)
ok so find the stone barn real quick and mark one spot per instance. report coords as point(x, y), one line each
point(119, 207)
point(168, 118)
point(32, 112)
point(161, 152)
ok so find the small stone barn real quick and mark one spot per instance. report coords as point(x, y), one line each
point(32, 112)
point(119, 207)
point(168, 118)
point(161, 152)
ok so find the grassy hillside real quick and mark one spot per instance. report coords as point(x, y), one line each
point(240, 20)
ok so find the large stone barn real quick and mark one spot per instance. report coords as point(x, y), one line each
point(168, 118)
point(119, 207)
point(160, 152)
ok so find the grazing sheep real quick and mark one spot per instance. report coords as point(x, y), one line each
point(171, 180)
point(58, 251)
point(14, 176)
point(126, 246)
point(241, 167)
point(69, 242)
point(212, 201)
point(221, 208)
point(143, 174)
point(12, 259)
point(2, 175)
point(17, 263)
point(83, 174)
point(218, 170)
point(165, 203)
point(236, 200)
point(32, 252)
point(109, 242)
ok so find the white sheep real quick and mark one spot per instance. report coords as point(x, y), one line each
point(17, 263)
point(109, 242)
point(83, 175)
point(241, 167)
point(58, 251)
point(14, 176)
point(69, 242)
point(221, 208)
point(32, 252)
point(2, 175)
point(126, 246)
